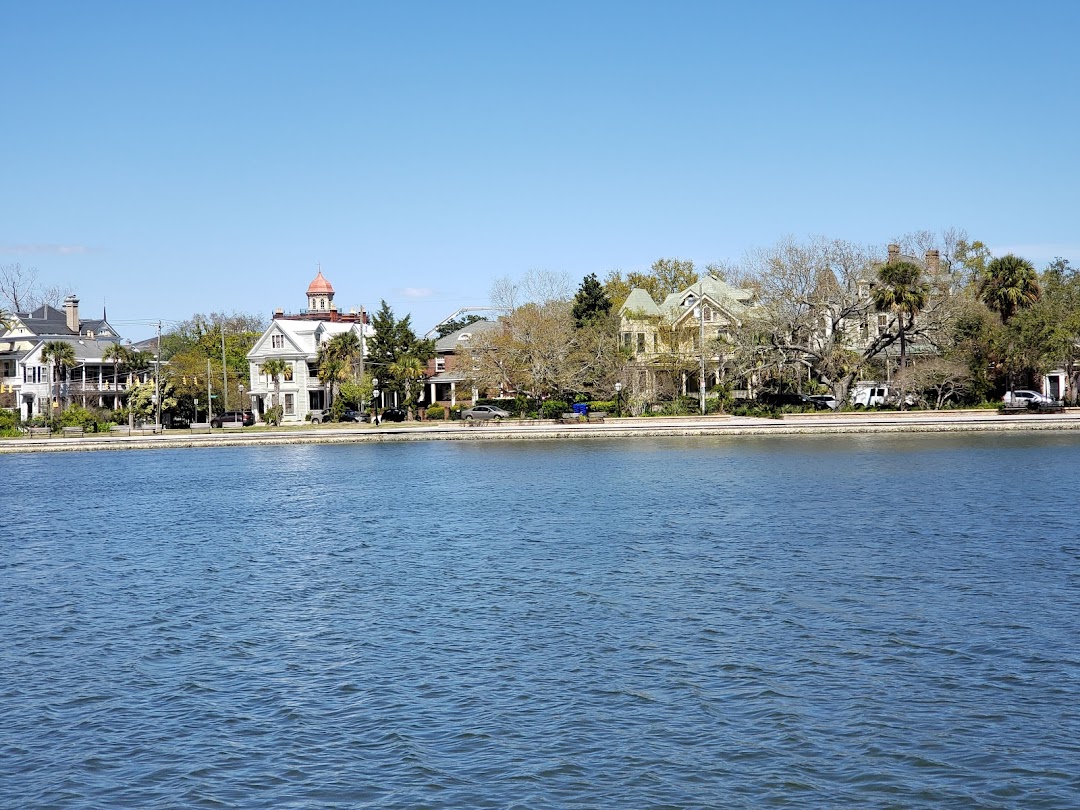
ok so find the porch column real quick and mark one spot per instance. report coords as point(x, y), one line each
point(453, 394)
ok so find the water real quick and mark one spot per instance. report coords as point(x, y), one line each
point(777, 622)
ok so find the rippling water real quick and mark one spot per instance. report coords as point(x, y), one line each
point(777, 622)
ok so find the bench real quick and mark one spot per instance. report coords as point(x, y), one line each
point(567, 419)
point(74, 432)
point(232, 425)
point(1042, 407)
point(598, 416)
point(201, 427)
point(39, 431)
point(120, 430)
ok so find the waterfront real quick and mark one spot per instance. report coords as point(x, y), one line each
point(863, 621)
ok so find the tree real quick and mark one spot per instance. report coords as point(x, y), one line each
point(665, 276)
point(901, 290)
point(591, 301)
point(393, 340)
point(408, 370)
point(277, 369)
point(1008, 285)
point(21, 290)
point(447, 327)
point(119, 356)
point(62, 356)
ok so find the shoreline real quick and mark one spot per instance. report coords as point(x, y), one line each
point(514, 430)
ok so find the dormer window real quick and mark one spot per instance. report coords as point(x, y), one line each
point(465, 336)
point(277, 341)
point(689, 301)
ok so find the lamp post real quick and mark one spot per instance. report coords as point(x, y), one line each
point(375, 400)
point(618, 403)
point(196, 401)
point(240, 388)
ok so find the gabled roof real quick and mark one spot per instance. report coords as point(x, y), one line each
point(640, 301)
point(456, 340)
point(730, 300)
point(45, 320)
point(87, 350)
point(303, 337)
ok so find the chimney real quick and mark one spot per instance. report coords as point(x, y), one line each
point(894, 253)
point(279, 313)
point(933, 261)
point(71, 313)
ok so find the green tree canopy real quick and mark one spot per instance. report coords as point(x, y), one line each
point(1008, 285)
point(591, 301)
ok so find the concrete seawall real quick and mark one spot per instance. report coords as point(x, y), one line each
point(515, 430)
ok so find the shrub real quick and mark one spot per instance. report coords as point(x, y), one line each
point(9, 422)
point(273, 415)
point(608, 406)
point(554, 408)
point(86, 418)
point(435, 412)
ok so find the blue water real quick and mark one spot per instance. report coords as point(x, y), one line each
point(862, 622)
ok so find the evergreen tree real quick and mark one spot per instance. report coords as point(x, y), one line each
point(590, 302)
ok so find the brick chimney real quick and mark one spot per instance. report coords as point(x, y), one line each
point(71, 313)
point(933, 261)
point(894, 253)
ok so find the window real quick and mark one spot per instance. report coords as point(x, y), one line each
point(882, 323)
point(708, 313)
point(440, 365)
point(627, 339)
point(641, 342)
point(277, 341)
point(289, 406)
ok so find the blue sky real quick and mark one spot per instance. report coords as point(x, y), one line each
point(174, 158)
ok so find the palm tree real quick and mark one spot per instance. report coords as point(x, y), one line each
point(276, 369)
point(119, 356)
point(332, 370)
point(1009, 285)
point(408, 369)
point(62, 356)
point(901, 290)
point(346, 347)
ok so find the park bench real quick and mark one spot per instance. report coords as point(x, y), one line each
point(597, 416)
point(73, 432)
point(199, 427)
point(120, 430)
point(567, 419)
point(1042, 407)
point(39, 431)
point(232, 425)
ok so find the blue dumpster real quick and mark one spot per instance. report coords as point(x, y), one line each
point(581, 408)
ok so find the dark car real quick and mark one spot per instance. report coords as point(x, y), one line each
point(355, 416)
point(789, 400)
point(393, 415)
point(245, 418)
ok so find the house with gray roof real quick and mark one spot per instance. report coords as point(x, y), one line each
point(446, 382)
point(26, 381)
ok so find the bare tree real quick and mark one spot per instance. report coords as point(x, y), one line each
point(22, 291)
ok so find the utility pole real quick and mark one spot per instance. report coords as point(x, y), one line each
point(224, 370)
point(157, 382)
point(209, 394)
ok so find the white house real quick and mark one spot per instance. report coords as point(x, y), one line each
point(296, 339)
point(26, 381)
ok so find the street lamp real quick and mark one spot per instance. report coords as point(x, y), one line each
point(157, 393)
point(196, 401)
point(618, 404)
point(375, 400)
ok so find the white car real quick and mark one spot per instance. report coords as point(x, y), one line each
point(1023, 397)
point(828, 400)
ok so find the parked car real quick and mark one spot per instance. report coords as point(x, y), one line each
point(484, 412)
point(393, 415)
point(1024, 397)
point(828, 400)
point(789, 400)
point(355, 416)
point(246, 418)
point(869, 397)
